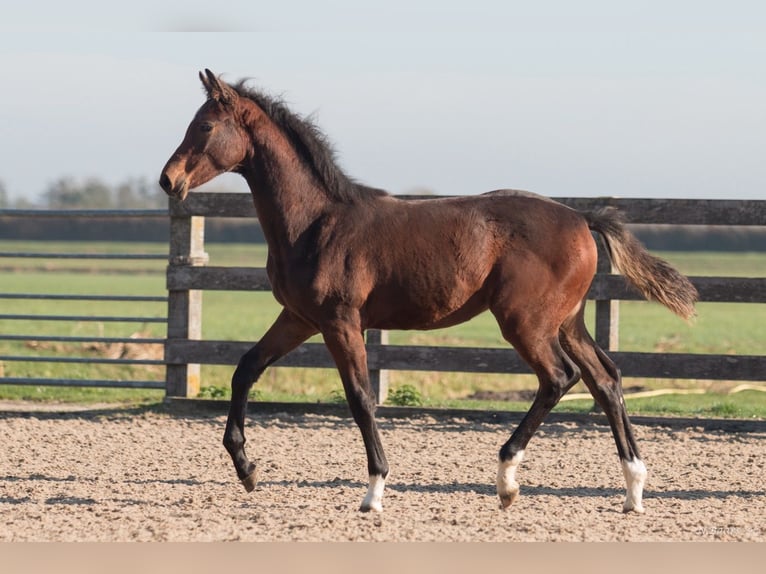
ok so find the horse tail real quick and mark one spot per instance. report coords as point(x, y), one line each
point(654, 278)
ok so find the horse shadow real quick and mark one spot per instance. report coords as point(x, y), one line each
point(487, 489)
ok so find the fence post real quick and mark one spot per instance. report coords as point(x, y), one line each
point(607, 311)
point(187, 248)
point(378, 377)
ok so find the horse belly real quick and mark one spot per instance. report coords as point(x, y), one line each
point(424, 306)
point(436, 280)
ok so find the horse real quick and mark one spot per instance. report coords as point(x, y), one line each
point(344, 257)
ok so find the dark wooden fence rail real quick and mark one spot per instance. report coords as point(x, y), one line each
point(188, 275)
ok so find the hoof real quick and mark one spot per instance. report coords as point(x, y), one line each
point(509, 498)
point(638, 509)
point(249, 482)
point(377, 507)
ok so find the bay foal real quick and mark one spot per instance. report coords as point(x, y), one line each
point(344, 258)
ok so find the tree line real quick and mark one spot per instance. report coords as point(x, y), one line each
point(91, 193)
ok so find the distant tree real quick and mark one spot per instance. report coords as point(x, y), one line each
point(7, 202)
point(125, 196)
point(22, 203)
point(66, 193)
point(154, 196)
point(137, 193)
point(134, 193)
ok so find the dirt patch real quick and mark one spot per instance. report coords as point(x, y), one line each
point(118, 350)
point(519, 396)
point(108, 475)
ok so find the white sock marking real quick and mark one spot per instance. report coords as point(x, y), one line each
point(374, 498)
point(635, 477)
point(506, 476)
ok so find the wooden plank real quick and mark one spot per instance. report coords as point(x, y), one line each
point(379, 378)
point(447, 359)
point(480, 360)
point(417, 358)
point(187, 249)
point(604, 287)
point(679, 211)
point(180, 351)
point(691, 366)
point(218, 278)
point(731, 289)
point(187, 241)
point(631, 364)
point(711, 289)
point(638, 211)
point(214, 205)
point(607, 311)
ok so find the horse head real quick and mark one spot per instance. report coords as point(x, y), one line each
point(215, 141)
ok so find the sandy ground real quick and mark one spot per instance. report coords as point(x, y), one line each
point(109, 475)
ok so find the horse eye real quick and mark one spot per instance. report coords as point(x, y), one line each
point(206, 127)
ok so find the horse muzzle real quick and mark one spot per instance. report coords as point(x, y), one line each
point(177, 187)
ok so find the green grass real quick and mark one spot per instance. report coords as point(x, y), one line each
point(81, 395)
point(720, 328)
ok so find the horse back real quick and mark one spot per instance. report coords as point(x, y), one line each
point(434, 263)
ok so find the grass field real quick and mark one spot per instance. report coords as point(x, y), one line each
point(720, 328)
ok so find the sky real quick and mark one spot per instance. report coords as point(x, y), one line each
point(588, 98)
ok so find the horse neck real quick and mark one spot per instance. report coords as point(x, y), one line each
point(286, 195)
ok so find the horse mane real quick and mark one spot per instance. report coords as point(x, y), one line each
point(311, 145)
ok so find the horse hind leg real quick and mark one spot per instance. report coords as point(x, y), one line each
point(556, 374)
point(602, 377)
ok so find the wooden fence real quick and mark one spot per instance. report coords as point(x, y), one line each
point(188, 275)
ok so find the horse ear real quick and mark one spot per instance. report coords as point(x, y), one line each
point(216, 89)
point(206, 84)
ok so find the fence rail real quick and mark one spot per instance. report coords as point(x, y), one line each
point(116, 256)
point(89, 383)
point(57, 297)
point(711, 289)
point(188, 275)
point(637, 211)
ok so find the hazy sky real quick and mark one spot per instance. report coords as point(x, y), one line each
point(582, 98)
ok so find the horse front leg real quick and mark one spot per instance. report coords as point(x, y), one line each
point(287, 332)
point(346, 344)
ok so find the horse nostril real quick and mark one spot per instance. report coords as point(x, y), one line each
point(165, 183)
